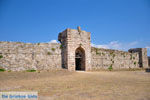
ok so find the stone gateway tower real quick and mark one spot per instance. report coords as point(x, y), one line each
point(75, 49)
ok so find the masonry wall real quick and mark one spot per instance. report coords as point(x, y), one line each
point(104, 58)
point(23, 56)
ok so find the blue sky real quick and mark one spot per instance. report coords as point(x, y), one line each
point(114, 24)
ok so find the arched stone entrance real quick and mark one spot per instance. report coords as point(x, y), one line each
point(75, 49)
point(80, 59)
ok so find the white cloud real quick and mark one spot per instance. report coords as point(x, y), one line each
point(117, 45)
point(148, 47)
point(53, 41)
point(100, 46)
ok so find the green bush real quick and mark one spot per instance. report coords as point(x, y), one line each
point(31, 70)
point(53, 49)
point(134, 63)
point(61, 46)
point(1, 56)
point(2, 70)
point(110, 68)
point(49, 53)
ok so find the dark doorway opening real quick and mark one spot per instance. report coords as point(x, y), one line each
point(80, 59)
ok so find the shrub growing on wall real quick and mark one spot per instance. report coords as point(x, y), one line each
point(53, 49)
point(61, 46)
point(49, 53)
point(110, 68)
point(134, 63)
point(1, 56)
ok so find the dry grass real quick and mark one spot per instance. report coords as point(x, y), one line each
point(64, 85)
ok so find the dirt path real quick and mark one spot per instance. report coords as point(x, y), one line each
point(64, 85)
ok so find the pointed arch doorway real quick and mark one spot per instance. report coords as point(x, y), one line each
point(80, 59)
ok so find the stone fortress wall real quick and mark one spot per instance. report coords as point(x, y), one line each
point(74, 53)
point(105, 58)
point(18, 56)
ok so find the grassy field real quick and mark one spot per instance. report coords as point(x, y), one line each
point(64, 85)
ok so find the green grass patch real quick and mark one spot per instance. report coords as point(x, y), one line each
point(1, 56)
point(2, 70)
point(110, 68)
point(31, 70)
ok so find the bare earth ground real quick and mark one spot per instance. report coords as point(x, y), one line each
point(64, 85)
